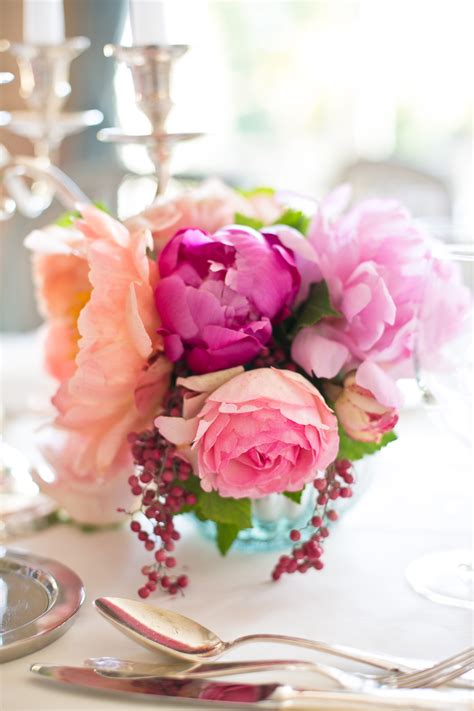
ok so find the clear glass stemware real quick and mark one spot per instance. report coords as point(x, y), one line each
point(445, 372)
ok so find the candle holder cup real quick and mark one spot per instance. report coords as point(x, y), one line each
point(151, 68)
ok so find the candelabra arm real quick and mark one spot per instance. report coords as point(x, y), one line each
point(29, 204)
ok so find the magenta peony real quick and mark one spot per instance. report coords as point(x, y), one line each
point(259, 432)
point(219, 295)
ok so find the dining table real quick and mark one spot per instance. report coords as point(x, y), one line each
point(419, 500)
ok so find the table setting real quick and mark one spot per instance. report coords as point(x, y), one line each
point(236, 457)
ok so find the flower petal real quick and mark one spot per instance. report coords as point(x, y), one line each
point(372, 377)
point(318, 355)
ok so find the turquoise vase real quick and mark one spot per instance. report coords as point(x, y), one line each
point(275, 515)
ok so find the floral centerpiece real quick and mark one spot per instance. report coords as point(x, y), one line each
point(220, 347)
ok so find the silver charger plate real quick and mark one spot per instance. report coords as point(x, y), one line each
point(38, 600)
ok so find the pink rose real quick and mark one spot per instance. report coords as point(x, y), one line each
point(360, 414)
point(259, 432)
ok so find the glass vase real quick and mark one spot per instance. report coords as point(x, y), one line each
point(275, 515)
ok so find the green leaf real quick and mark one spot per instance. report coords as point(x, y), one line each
point(225, 510)
point(294, 218)
point(192, 485)
point(102, 206)
point(67, 219)
point(316, 307)
point(351, 449)
point(253, 192)
point(240, 219)
point(294, 496)
point(226, 535)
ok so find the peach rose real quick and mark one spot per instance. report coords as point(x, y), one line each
point(258, 432)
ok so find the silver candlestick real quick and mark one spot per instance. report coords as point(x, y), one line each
point(5, 78)
point(7, 205)
point(45, 87)
point(22, 507)
point(151, 69)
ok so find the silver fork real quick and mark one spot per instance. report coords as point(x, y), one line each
point(436, 675)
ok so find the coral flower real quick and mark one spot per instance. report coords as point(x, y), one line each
point(209, 207)
point(60, 272)
point(115, 381)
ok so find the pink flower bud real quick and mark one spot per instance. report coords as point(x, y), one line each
point(361, 415)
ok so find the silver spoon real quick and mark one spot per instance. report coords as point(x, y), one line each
point(166, 631)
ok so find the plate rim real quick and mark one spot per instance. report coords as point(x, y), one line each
point(69, 595)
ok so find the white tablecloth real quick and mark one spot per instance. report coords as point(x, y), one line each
point(420, 501)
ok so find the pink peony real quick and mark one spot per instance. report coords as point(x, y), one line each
point(208, 207)
point(444, 331)
point(116, 375)
point(258, 432)
point(362, 417)
point(374, 262)
point(214, 311)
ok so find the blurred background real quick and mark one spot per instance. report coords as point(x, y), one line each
point(299, 94)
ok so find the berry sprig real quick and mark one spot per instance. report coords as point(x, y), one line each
point(336, 483)
point(160, 480)
point(274, 356)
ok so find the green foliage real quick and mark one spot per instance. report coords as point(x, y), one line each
point(229, 515)
point(226, 535)
point(102, 206)
point(316, 307)
point(296, 219)
point(193, 486)
point(240, 219)
point(236, 512)
point(67, 219)
point(253, 192)
point(294, 496)
point(351, 449)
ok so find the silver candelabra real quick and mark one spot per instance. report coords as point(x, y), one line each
point(151, 68)
point(45, 87)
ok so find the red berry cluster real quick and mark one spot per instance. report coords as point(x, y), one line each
point(336, 483)
point(160, 481)
point(274, 356)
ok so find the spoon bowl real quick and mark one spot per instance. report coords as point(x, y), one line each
point(159, 629)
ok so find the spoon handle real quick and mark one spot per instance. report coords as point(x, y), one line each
point(356, 655)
